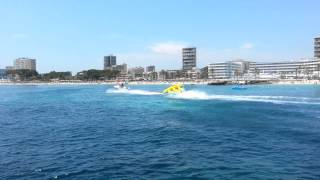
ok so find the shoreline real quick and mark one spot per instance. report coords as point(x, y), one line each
point(264, 82)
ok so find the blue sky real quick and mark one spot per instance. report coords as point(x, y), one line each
point(76, 34)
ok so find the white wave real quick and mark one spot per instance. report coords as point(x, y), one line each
point(132, 91)
point(199, 95)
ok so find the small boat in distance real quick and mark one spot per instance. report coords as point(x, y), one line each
point(239, 88)
point(240, 85)
point(218, 83)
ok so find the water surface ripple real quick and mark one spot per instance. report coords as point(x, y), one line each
point(94, 132)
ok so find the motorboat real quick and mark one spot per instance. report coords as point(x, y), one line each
point(120, 86)
point(218, 83)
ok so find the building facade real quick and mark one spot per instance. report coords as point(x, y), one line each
point(150, 69)
point(189, 59)
point(173, 74)
point(109, 62)
point(162, 75)
point(151, 73)
point(3, 74)
point(194, 73)
point(285, 70)
point(244, 66)
point(136, 72)
point(225, 70)
point(123, 68)
point(170, 75)
point(25, 63)
point(9, 67)
point(204, 73)
point(317, 47)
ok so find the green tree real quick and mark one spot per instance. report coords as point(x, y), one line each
point(57, 75)
point(94, 74)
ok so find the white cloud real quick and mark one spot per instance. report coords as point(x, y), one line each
point(247, 46)
point(168, 48)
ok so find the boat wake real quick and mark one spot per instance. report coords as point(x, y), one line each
point(199, 95)
point(131, 91)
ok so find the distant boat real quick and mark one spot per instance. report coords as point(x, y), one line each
point(218, 83)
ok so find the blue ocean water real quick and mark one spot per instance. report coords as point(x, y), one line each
point(208, 132)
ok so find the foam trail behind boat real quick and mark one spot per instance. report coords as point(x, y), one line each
point(132, 91)
point(199, 95)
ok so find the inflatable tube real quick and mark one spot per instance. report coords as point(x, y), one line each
point(174, 89)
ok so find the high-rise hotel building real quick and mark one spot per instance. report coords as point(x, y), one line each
point(110, 61)
point(189, 58)
point(317, 47)
point(25, 63)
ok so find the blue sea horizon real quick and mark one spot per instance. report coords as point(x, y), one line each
point(207, 132)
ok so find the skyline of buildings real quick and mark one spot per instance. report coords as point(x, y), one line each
point(218, 35)
point(217, 70)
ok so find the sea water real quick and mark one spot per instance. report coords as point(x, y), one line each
point(207, 132)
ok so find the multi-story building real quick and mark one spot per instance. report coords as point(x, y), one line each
point(9, 67)
point(204, 73)
point(194, 73)
point(173, 74)
point(151, 73)
point(151, 69)
point(109, 62)
point(244, 66)
point(25, 63)
point(317, 47)
point(170, 74)
point(136, 72)
point(3, 74)
point(162, 75)
point(285, 70)
point(225, 70)
point(189, 58)
point(123, 68)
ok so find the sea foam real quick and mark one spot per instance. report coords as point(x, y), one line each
point(132, 91)
point(200, 95)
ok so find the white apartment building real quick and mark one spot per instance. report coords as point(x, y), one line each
point(225, 70)
point(25, 63)
point(285, 70)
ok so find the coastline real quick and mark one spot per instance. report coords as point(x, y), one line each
point(195, 82)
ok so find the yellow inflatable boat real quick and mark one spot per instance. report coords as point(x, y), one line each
point(174, 89)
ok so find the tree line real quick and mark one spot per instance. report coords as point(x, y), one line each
point(87, 75)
